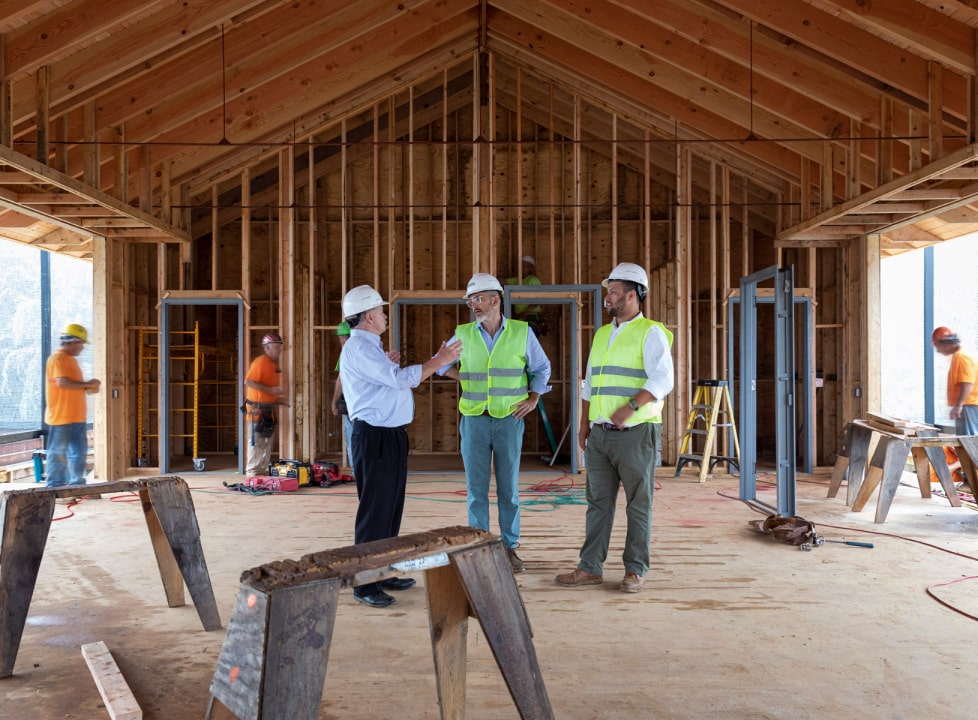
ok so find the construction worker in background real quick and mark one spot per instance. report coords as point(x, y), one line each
point(263, 392)
point(523, 311)
point(66, 412)
point(339, 402)
point(378, 395)
point(497, 393)
point(962, 387)
point(629, 372)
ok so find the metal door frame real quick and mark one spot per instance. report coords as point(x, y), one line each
point(164, 398)
point(784, 393)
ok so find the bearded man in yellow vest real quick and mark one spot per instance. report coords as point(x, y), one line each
point(629, 372)
point(503, 371)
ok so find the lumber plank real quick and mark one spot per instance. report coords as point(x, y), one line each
point(888, 420)
point(118, 698)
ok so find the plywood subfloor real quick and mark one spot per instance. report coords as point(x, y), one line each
point(730, 624)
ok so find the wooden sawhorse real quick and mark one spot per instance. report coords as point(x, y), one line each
point(169, 511)
point(890, 457)
point(273, 661)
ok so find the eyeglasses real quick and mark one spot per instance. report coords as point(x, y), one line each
point(476, 300)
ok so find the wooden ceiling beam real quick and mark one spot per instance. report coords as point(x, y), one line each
point(730, 36)
point(64, 30)
point(908, 25)
point(864, 56)
point(676, 65)
point(258, 117)
point(260, 54)
point(134, 51)
point(529, 46)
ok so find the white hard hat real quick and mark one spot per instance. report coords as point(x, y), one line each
point(630, 272)
point(529, 259)
point(481, 282)
point(360, 299)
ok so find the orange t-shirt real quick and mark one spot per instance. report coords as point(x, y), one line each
point(963, 369)
point(65, 405)
point(263, 370)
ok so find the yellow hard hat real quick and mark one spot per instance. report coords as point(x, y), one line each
point(75, 331)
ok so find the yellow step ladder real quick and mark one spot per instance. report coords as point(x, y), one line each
point(711, 396)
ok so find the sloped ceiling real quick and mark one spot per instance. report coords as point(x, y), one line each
point(202, 86)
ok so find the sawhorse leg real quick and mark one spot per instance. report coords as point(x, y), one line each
point(969, 460)
point(858, 453)
point(26, 522)
point(841, 461)
point(490, 585)
point(935, 457)
point(893, 464)
point(273, 661)
point(173, 530)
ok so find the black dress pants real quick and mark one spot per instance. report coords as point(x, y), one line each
point(380, 469)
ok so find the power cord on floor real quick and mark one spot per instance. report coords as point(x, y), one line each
point(930, 588)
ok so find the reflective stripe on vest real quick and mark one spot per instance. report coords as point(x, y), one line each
point(497, 380)
point(618, 371)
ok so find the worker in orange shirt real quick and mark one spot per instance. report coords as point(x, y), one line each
point(962, 388)
point(263, 392)
point(66, 413)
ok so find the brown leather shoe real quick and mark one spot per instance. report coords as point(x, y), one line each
point(515, 562)
point(577, 578)
point(632, 583)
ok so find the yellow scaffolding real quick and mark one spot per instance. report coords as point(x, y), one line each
point(193, 352)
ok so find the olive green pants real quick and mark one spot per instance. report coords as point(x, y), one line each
point(627, 459)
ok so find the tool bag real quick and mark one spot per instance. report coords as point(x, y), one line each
point(793, 529)
point(262, 416)
point(291, 468)
point(327, 474)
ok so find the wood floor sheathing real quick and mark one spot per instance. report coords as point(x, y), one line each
point(731, 624)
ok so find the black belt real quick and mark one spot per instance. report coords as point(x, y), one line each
point(614, 428)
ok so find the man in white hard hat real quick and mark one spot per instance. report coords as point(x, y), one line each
point(503, 371)
point(379, 399)
point(263, 393)
point(629, 373)
point(66, 412)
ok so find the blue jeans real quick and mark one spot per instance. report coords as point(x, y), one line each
point(348, 435)
point(67, 452)
point(486, 439)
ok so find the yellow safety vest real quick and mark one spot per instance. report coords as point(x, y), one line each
point(618, 371)
point(497, 380)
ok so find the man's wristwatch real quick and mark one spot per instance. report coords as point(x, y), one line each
point(632, 404)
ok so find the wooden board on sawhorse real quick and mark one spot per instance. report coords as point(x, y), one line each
point(273, 661)
point(712, 399)
point(888, 461)
point(169, 511)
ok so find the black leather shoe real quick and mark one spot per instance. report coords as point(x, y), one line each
point(397, 583)
point(376, 599)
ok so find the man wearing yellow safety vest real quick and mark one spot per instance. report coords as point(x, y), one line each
point(503, 371)
point(629, 372)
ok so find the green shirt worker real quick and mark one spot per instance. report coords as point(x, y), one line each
point(529, 278)
point(629, 372)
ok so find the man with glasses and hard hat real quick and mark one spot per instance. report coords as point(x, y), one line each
point(629, 372)
point(503, 371)
point(962, 381)
point(263, 389)
point(67, 410)
point(379, 399)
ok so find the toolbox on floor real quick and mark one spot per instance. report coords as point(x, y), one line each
point(327, 474)
point(273, 484)
point(293, 469)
